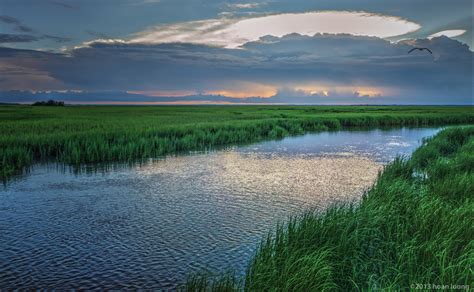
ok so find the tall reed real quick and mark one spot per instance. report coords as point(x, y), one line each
point(412, 230)
point(78, 135)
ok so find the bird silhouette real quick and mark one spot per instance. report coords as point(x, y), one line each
point(420, 49)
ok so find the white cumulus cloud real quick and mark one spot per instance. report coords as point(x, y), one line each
point(449, 33)
point(233, 32)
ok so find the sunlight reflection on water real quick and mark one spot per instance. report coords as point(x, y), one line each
point(149, 226)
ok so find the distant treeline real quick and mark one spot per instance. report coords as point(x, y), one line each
point(49, 103)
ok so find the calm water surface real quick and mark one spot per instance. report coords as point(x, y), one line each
point(149, 226)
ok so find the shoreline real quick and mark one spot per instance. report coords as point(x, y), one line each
point(404, 222)
point(69, 135)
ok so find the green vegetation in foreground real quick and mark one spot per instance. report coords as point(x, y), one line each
point(413, 227)
point(90, 134)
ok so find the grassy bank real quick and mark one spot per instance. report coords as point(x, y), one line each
point(77, 135)
point(414, 227)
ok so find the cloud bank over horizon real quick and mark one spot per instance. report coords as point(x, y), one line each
point(237, 51)
point(293, 68)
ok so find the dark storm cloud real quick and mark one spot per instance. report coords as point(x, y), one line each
point(122, 19)
point(17, 24)
point(337, 60)
point(26, 38)
point(16, 38)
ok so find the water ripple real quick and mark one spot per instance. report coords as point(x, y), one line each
point(151, 225)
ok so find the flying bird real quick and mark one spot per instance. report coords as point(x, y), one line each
point(420, 49)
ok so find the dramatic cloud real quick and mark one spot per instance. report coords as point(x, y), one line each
point(184, 20)
point(25, 38)
point(20, 69)
point(242, 89)
point(16, 38)
point(233, 32)
point(17, 25)
point(449, 33)
point(292, 69)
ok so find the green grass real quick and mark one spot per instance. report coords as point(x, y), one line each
point(414, 226)
point(91, 134)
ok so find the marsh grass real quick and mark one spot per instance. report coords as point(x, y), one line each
point(206, 281)
point(84, 135)
point(407, 230)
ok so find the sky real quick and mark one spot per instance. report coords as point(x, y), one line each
point(245, 52)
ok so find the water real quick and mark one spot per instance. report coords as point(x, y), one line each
point(151, 225)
